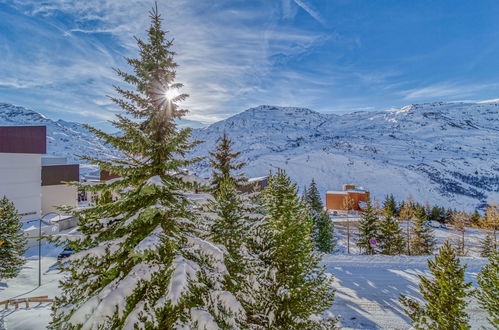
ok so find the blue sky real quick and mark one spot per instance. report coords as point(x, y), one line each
point(334, 56)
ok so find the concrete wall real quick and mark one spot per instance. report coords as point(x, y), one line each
point(20, 181)
point(58, 195)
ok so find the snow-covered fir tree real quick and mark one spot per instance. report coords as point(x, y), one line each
point(322, 228)
point(233, 223)
point(488, 294)
point(142, 261)
point(12, 240)
point(486, 246)
point(445, 293)
point(298, 291)
point(422, 240)
point(368, 228)
point(390, 237)
point(224, 164)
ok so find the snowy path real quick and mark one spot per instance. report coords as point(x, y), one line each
point(26, 285)
point(368, 288)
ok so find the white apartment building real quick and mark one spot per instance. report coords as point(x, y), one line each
point(33, 183)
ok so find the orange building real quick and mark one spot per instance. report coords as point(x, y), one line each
point(339, 200)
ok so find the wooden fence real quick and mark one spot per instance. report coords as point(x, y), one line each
point(26, 301)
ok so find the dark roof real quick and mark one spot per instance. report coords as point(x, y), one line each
point(105, 175)
point(23, 139)
point(57, 174)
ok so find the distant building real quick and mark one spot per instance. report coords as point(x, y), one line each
point(338, 200)
point(55, 192)
point(34, 183)
point(254, 184)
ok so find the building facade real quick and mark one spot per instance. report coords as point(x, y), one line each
point(33, 183)
point(350, 198)
point(21, 150)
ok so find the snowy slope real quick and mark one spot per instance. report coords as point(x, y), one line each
point(64, 138)
point(443, 153)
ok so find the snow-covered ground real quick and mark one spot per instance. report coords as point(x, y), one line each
point(26, 285)
point(368, 287)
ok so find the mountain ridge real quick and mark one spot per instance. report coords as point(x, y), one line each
point(438, 152)
point(430, 150)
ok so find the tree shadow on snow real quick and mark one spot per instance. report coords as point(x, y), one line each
point(362, 291)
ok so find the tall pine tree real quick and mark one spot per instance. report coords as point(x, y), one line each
point(12, 240)
point(224, 164)
point(445, 294)
point(488, 294)
point(422, 240)
point(142, 261)
point(368, 228)
point(298, 290)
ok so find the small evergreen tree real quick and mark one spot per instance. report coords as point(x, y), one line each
point(298, 290)
point(322, 228)
point(436, 213)
point(390, 238)
point(142, 261)
point(324, 236)
point(12, 240)
point(390, 205)
point(487, 246)
point(475, 219)
point(368, 228)
point(313, 198)
point(223, 163)
point(422, 240)
point(445, 294)
point(488, 294)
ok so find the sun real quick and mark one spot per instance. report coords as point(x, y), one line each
point(171, 93)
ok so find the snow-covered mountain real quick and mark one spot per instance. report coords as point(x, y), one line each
point(443, 153)
point(64, 138)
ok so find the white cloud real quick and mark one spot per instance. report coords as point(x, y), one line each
point(444, 90)
point(310, 10)
point(225, 54)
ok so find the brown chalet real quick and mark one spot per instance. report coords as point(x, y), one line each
point(338, 200)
